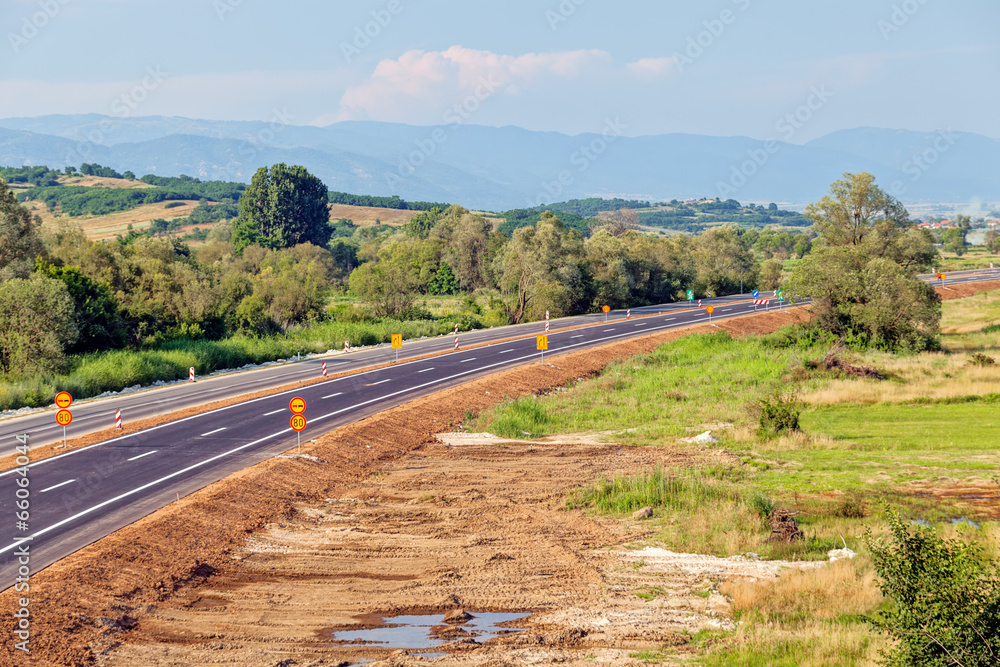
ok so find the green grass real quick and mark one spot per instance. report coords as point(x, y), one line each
point(93, 374)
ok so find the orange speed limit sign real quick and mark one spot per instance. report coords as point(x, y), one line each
point(64, 400)
point(606, 309)
point(297, 405)
point(298, 422)
point(710, 309)
point(64, 417)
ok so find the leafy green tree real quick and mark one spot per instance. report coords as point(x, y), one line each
point(541, 268)
point(283, 207)
point(868, 300)
point(945, 598)
point(724, 262)
point(992, 241)
point(20, 242)
point(388, 286)
point(861, 277)
point(857, 211)
point(955, 240)
point(97, 318)
point(37, 323)
point(444, 282)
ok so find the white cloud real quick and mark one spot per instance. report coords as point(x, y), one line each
point(421, 86)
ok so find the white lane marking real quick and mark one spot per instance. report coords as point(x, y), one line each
point(141, 455)
point(465, 361)
point(218, 430)
point(426, 370)
point(572, 337)
point(669, 319)
point(294, 391)
point(380, 382)
point(641, 324)
point(274, 413)
point(51, 488)
point(607, 330)
point(339, 393)
point(172, 475)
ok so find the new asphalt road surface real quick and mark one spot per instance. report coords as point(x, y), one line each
point(82, 495)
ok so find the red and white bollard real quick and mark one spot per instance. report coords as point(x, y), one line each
point(699, 303)
point(628, 314)
point(191, 374)
point(546, 321)
point(456, 335)
point(347, 346)
point(118, 420)
point(324, 369)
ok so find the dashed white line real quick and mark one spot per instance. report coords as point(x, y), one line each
point(141, 455)
point(69, 481)
point(641, 324)
point(465, 361)
point(669, 319)
point(380, 382)
point(426, 370)
point(607, 330)
point(274, 413)
point(339, 393)
point(218, 430)
point(580, 336)
point(506, 351)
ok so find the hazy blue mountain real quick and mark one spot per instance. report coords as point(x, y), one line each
point(501, 168)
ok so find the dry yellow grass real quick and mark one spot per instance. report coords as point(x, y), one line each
point(108, 226)
point(368, 216)
point(99, 181)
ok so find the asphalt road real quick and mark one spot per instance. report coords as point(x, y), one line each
point(83, 495)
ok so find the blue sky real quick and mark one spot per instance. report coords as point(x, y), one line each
point(721, 67)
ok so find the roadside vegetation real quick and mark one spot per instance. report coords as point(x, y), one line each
point(848, 432)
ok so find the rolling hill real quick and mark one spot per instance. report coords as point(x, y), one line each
point(508, 167)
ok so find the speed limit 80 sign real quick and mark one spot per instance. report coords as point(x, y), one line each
point(298, 423)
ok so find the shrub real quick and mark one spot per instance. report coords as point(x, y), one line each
point(945, 595)
point(981, 360)
point(778, 414)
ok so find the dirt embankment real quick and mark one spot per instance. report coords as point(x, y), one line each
point(89, 602)
point(966, 289)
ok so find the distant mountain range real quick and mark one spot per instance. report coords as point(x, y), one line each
point(508, 167)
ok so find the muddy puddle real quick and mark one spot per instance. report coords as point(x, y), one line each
point(425, 632)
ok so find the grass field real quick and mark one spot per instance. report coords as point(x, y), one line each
point(922, 441)
point(977, 257)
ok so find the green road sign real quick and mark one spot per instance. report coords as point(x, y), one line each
point(690, 295)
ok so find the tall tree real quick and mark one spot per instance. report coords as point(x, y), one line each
point(856, 211)
point(283, 207)
point(20, 242)
point(36, 325)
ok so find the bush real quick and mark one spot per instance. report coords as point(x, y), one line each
point(945, 598)
point(981, 360)
point(518, 418)
point(778, 414)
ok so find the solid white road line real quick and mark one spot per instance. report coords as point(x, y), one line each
point(339, 393)
point(274, 413)
point(70, 481)
point(218, 430)
point(141, 455)
point(172, 475)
